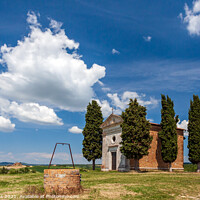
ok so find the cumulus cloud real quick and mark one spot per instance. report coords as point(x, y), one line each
point(192, 18)
point(183, 125)
point(32, 19)
point(41, 70)
point(6, 125)
point(75, 129)
point(55, 25)
point(147, 38)
point(106, 109)
point(196, 6)
point(33, 112)
point(29, 112)
point(114, 51)
point(122, 102)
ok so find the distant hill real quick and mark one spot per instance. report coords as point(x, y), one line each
point(11, 163)
point(6, 163)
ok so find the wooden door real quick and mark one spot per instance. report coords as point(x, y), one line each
point(114, 160)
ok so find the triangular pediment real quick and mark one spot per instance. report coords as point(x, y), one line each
point(111, 120)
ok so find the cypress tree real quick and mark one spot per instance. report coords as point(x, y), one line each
point(168, 134)
point(135, 135)
point(92, 142)
point(194, 131)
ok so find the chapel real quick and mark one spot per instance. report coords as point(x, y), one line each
point(113, 159)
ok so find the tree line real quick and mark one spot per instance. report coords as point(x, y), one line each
point(136, 138)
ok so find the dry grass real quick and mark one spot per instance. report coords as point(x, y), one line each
point(113, 191)
point(116, 185)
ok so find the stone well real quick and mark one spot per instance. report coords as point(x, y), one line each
point(62, 181)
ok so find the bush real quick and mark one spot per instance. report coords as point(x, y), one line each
point(4, 170)
point(13, 171)
point(26, 170)
point(189, 167)
point(83, 170)
point(33, 171)
point(21, 171)
point(16, 171)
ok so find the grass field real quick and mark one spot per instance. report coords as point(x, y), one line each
point(116, 185)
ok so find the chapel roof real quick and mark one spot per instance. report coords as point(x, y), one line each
point(118, 120)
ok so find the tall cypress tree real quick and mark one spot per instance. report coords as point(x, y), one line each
point(135, 135)
point(92, 142)
point(194, 131)
point(168, 134)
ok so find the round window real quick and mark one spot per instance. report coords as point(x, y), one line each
point(113, 139)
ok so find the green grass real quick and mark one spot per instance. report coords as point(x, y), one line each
point(88, 167)
point(190, 168)
point(4, 183)
point(115, 185)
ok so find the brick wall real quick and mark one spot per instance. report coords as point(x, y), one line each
point(62, 181)
point(154, 159)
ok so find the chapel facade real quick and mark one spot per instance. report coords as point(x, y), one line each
point(113, 159)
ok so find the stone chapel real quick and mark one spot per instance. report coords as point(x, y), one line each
point(112, 159)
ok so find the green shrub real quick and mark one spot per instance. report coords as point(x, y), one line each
point(13, 171)
point(21, 171)
point(26, 170)
point(83, 170)
point(33, 171)
point(189, 167)
point(4, 170)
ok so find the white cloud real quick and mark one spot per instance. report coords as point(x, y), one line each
point(29, 112)
point(75, 129)
point(183, 125)
point(106, 89)
point(122, 102)
point(32, 19)
point(33, 112)
point(196, 6)
point(106, 109)
point(151, 120)
point(38, 155)
point(6, 125)
point(44, 157)
point(114, 51)
point(41, 70)
point(101, 83)
point(55, 25)
point(147, 38)
point(6, 157)
point(180, 16)
point(192, 18)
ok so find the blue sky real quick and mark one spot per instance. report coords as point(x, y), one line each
point(58, 55)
